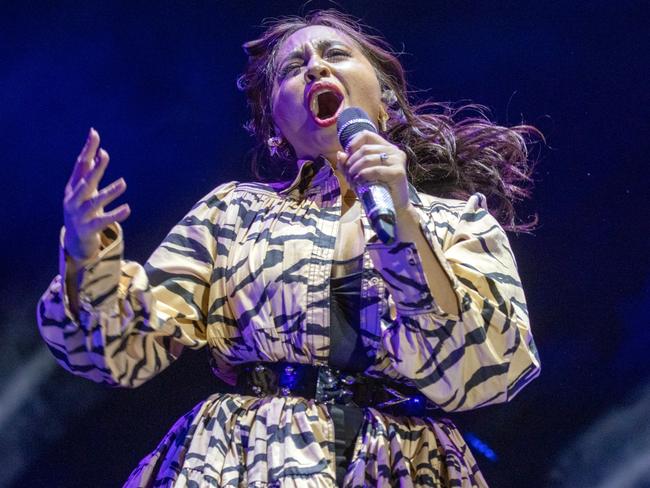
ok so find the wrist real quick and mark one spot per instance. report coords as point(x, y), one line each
point(407, 214)
point(407, 223)
point(78, 252)
point(75, 264)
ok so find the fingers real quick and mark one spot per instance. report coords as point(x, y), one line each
point(376, 173)
point(373, 159)
point(365, 137)
point(103, 198)
point(97, 172)
point(374, 155)
point(100, 222)
point(85, 159)
point(366, 154)
point(90, 166)
point(74, 197)
point(81, 208)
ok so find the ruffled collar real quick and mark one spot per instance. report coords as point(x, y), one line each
point(311, 174)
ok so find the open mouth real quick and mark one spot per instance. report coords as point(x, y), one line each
point(325, 105)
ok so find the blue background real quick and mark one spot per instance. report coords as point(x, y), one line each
point(157, 79)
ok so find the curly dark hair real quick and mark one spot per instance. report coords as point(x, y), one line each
point(452, 151)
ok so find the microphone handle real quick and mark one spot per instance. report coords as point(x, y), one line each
point(380, 210)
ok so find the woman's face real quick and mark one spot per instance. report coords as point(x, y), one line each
point(319, 72)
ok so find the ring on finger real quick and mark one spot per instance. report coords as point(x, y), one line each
point(383, 157)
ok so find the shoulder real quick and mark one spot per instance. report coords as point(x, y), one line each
point(228, 200)
point(453, 208)
point(228, 193)
point(454, 218)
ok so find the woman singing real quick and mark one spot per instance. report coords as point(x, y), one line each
point(344, 351)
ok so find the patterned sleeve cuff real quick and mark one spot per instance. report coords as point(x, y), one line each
point(97, 280)
point(401, 268)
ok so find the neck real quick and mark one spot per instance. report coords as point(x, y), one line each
point(348, 197)
point(346, 190)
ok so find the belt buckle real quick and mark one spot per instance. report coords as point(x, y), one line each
point(332, 387)
point(415, 404)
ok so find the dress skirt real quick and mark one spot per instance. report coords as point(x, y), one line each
point(231, 440)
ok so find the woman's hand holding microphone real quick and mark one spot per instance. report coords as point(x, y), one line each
point(83, 204)
point(371, 158)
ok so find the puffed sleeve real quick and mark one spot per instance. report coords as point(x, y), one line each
point(135, 320)
point(484, 355)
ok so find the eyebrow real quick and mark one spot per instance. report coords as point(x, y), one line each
point(320, 45)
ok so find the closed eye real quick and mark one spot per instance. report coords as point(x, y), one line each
point(289, 69)
point(292, 68)
point(337, 53)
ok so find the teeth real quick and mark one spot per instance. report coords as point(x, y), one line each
point(314, 103)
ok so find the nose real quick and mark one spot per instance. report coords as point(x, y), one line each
point(316, 70)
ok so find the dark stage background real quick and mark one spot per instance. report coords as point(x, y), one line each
point(157, 79)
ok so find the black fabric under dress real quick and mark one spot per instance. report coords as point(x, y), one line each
point(346, 352)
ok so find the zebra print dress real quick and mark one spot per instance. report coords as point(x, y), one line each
point(246, 273)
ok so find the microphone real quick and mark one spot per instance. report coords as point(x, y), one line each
point(375, 197)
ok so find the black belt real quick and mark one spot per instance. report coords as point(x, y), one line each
point(327, 384)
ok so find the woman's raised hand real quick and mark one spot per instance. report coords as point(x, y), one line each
point(83, 204)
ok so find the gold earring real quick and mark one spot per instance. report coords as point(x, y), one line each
point(383, 120)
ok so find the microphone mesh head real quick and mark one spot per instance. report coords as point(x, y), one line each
point(352, 121)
